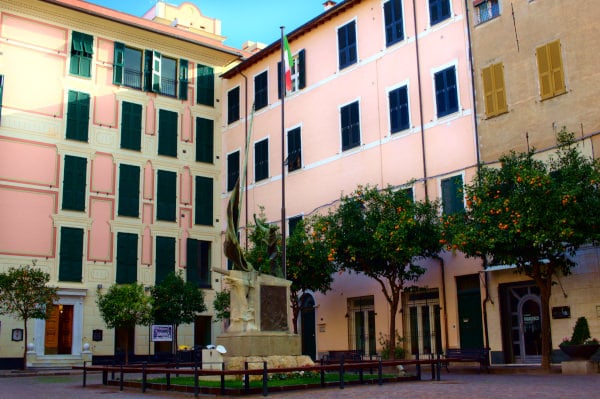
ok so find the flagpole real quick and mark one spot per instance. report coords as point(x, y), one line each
point(283, 92)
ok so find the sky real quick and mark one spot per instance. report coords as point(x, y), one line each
point(241, 20)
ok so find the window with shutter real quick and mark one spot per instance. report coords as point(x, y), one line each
point(550, 70)
point(347, 45)
point(82, 50)
point(165, 258)
point(127, 256)
point(233, 105)
point(493, 90)
point(261, 160)
point(298, 73)
point(261, 91)
point(394, 24)
point(166, 195)
point(198, 262)
point(204, 140)
point(206, 85)
point(399, 115)
point(233, 169)
point(129, 190)
point(167, 133)
point(439, 10)
point(71, 254)
point(350, 124)
point(446, 93)
point(294, 155)
point(204, 201)
point(452, 195)
point(78, 116)
point(74, 183)
point(1, 92)
point(293, 223)
point(131, 126)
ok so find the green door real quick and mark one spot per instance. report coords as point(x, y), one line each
point(309, 344)
point(469, 319)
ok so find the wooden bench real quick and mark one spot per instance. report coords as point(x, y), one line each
point(348, 356)
point(477, 355)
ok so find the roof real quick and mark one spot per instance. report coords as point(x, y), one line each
point(293, 35)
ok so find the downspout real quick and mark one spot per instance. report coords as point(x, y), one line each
point(443, 270)
point(420, 101)
point(487, 298)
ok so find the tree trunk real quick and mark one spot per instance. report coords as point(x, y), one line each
point(295, 310)
point(545, 292)
point(392, 332)
point(24, 344)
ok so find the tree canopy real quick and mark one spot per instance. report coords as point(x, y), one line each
point(382, 234)
point(24, 293)
point(533, 215)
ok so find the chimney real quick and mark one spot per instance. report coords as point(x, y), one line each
point(328, 4)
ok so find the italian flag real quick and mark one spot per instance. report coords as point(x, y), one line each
point(289, 62)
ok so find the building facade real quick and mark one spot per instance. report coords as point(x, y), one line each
point(382, 96)
point(534, 74)
point(109, 163)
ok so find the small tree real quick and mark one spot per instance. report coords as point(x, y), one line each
point(381, 233)
point(125, 306)
point(176, 302)
point(25, 295)
point(533, 215)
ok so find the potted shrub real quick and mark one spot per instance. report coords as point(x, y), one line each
point(581, 345)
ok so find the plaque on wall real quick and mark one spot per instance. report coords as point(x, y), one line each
point(273, 308)
point(97, 335)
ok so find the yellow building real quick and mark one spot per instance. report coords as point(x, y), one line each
point(109, 164)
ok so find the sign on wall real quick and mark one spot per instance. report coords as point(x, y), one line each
point(162, 333)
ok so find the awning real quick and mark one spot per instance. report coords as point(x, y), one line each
point(499, 267)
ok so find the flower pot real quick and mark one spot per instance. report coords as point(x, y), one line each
point(580, 352)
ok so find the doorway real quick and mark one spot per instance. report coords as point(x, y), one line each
point(307, 326)
point(361, 319)
point(423, 321)
point(58, 336)
point(470, 321)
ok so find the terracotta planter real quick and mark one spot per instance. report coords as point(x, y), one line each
point(580, 352)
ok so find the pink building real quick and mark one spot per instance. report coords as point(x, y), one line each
point(381, 95)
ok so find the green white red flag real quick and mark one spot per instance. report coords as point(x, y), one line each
point(289, 62)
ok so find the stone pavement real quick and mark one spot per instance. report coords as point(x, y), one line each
point(451, 386)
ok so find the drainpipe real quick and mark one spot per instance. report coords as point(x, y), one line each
point(420, 100)
point(486, 300)
point(443, 270)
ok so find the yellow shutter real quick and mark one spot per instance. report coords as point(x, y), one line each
point(488, 91)
point(544, 72)
point(557, 74)
point(501, 106)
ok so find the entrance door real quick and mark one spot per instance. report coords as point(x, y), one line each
point(307, 326)
point(58, 336)
point(530, 329)
point(423, 321)
point(362, 324)
point(470, 322)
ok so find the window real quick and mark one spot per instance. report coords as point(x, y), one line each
point(486, 10)
point(167, 133)
point(183, 79)
point(452, 195)
point(493, 90)
point(347, 45)
point(204, 140)
point(129, 190)
point(204, 201)
point(82, 49)
point(160, 73)
point(198, 262)
point(127, 246)
point(350, 126)
point(439, 10)
point(550, 70)
point(131, 126)
point(127, 69)
point(1, 91)
point(261, 160)
point(293, 223)
point(409, 193)
point(399, 116)
point(166, 195)
point(78, 116)
point(206, 85)
point(71, 254)
point(233, 169)
point(294, 155)
point(233, 105)
point(165, 258)
point(394, 29)
point(261, 91)
point(298, 73)
point(74, 182)
point(446, 94)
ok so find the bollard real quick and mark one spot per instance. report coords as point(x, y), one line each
point(144, 377)
point(380, 372)
point(265, 379)
point(223, 379)
point(322, 374)
point(439, 368)
point(121, 378)
point(196, 379)
point(84, 373)
point(246, 378)
point(418, 367)
point(342, 373)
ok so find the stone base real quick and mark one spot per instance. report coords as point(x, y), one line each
point(257, 362)
point(573, 367)
point(260, 343)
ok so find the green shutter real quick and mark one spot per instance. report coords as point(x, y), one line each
point(129, 190)
point(198, 262)
point(71, 254)
point(85, 65)
point(1, 91)
point(302, 69)
point(166, 195)
point(127, 246)
point(167, 133)
point(131, 126)
point(452, 197)
point(78, 116)
point(119, 63)
point(204, 140)
point(204, 201)
point(183, 79)
point(191, 268)
point(74, 183)
point(165, 258)
point(206, 85)
point(156, 71)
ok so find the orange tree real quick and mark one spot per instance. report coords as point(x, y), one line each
point(381, 234)
point(533, 215)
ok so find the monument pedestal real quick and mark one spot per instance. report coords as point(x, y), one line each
point(577, 367)
point(261, 343)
